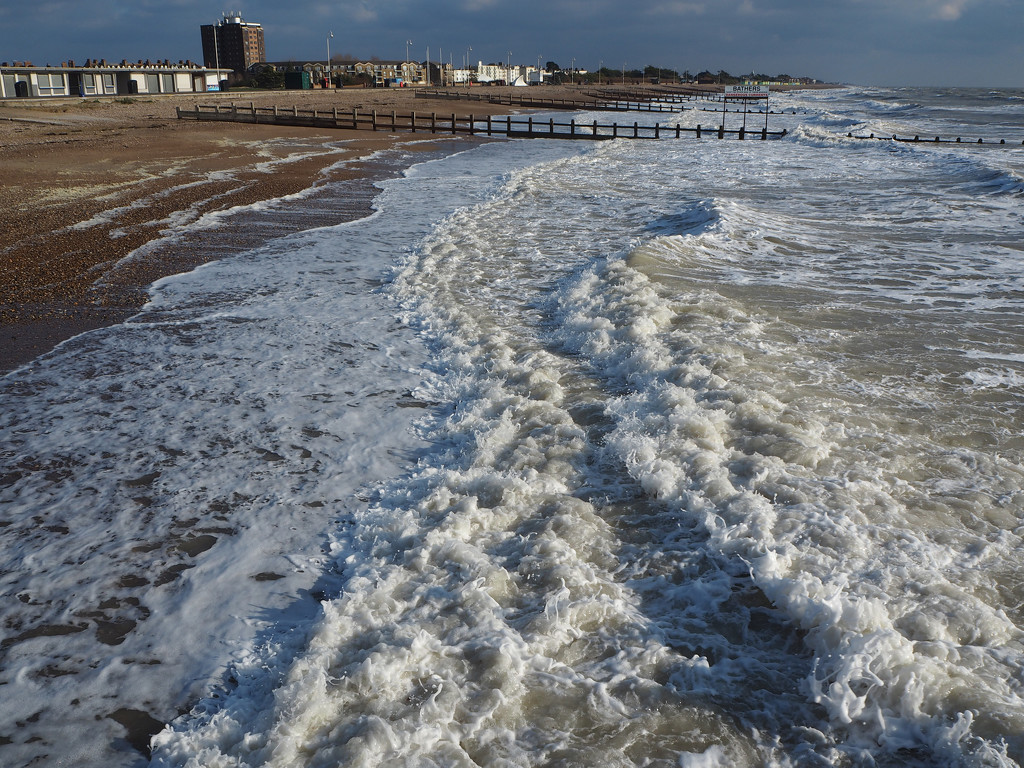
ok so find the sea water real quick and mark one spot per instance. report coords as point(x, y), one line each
point(689, 453)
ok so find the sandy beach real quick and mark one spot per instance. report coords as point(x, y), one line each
point(88, 182)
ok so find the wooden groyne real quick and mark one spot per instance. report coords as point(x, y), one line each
point(664, 95)
point(916, 139)
point(630, 100)
point(589, 104)
point(520, 126)
point(523, 127)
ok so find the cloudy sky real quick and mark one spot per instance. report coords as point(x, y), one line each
point(867, 42)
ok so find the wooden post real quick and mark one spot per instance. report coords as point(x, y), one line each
point(677, 130)
point(355, 119)
point(433, 122)
point(721, 131)
point(636, 130)
point(572, 127)
point(335, 114)
point(530, 125)
point(453, 123)
point(412, 121)
point(698, 130)
point(615, 130)
point(275, 110)
point(392, 121)
point(764, 134)
point(488, 125)
point(657, 131)
point(508, 124)
point(295, 111)
point(471, 126)
point(551, 125)
point(595, 127)
point(743, 130)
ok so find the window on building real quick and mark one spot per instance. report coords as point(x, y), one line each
point(51, 85)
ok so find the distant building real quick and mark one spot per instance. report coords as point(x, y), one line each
point(99, 78)
point(506, 75)
point(380, 73)
point(233, 43)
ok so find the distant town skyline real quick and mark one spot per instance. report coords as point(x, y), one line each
point(866, 42)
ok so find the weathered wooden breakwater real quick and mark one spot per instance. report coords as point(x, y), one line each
point(664, 95)
point(515, 126)
point(591, 104)
point(510, 126)
point(916, 139)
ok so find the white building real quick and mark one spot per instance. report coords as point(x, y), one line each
point(510, 75)
point(461, 76)
point(22, 80)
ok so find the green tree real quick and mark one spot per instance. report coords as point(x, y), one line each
point(361, 78)
point(267, 77)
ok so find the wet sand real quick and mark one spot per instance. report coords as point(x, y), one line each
point(90, 182)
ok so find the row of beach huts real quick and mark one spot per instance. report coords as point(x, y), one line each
point(100, 78)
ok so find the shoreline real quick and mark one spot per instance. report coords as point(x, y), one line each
point(91, 187)
point(90, 182)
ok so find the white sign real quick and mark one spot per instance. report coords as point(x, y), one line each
point(746, 91)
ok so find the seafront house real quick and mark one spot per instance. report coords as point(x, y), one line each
point(378, 73)
point(100, 78)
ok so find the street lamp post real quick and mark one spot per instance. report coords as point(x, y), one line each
point(466, 73)
point(327, 83)
point(508, 69)
point(623, 74)
point(600, 66)
point(572, 72)
point(216, 51)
